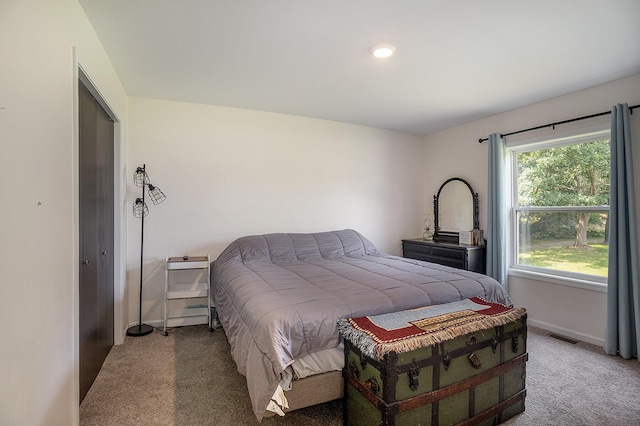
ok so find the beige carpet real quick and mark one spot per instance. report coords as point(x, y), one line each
point(189, 379)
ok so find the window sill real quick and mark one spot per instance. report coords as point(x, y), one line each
point(582, 283)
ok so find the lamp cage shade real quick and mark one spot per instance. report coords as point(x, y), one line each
point(140, 208)
point(156, 195)
point(140, 177)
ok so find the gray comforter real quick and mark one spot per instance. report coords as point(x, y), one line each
point(279, 296)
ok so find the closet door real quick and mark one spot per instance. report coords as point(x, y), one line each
point(96, 177)
point(105, 232)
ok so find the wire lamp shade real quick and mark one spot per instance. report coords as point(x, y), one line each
point(155, 194)
point(140, 210)
point(140, 177)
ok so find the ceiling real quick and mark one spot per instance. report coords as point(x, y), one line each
point(455, 61)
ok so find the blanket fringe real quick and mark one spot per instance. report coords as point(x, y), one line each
point(448, 330)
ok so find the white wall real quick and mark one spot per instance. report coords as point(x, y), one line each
point(38, 181)
point(456, 152)
point(231, 172)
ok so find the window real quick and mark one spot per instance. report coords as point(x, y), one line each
point(560, 206)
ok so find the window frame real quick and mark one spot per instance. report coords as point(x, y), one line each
point(554, 276)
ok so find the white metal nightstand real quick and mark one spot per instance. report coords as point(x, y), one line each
point(194, 285)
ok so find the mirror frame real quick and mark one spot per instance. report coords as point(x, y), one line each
point(454, 236)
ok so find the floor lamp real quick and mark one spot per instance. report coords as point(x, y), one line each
point(140, 209)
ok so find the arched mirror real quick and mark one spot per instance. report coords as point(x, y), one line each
point(455, 209)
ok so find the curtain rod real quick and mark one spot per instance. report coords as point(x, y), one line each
point(559, 122)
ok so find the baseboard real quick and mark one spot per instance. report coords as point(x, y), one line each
point(566, 332)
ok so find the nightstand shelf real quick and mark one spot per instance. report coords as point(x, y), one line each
point(196, 270)
point(186, 291)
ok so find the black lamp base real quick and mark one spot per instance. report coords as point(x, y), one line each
point(139, 330)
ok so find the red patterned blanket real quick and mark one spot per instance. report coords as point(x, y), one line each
point(408, 330)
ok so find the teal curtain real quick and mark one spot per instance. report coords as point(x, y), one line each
point(622, 335)
point(496, 214)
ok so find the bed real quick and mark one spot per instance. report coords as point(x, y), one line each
point(278, 298)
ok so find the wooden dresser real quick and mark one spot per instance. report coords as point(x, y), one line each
point(462, 256)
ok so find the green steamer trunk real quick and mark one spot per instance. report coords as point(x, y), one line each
point(478, 378)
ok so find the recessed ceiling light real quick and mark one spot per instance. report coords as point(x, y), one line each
point(382, 51)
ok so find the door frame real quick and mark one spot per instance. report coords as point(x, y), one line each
point(119, 223)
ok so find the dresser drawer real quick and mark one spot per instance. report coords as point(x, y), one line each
point(447, 261)
point(449, 253)
point(471, 258)
point(412, 254)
